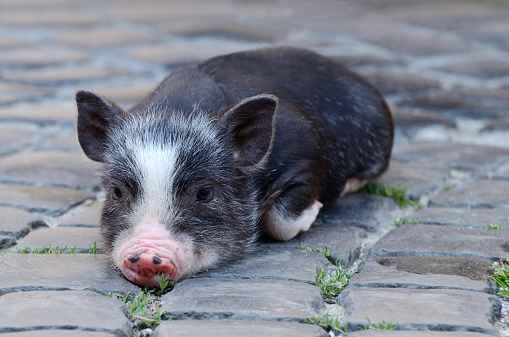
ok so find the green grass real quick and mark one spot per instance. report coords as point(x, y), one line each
point(402, 221)
point(47, 250)
point(93, 249)
point(501, 276)
point(141, 307)
point(325, 252)
point(57, 250)
point(447, 187)
point(380, 326)
point(165, 285)
point(496, 226)
point(326, 322)
point(399, 194)
point(332, 283)
point(144, 308)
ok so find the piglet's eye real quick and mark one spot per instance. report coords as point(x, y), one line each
point(117, 193)
point(205, 194)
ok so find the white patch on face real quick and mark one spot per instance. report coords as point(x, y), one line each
point(156, 169)
point(283, 228)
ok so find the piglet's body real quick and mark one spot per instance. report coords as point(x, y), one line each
point(227, 149)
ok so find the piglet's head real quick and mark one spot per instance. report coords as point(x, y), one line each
point(179, 191)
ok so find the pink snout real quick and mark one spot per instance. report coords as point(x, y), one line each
point(145, 269)
point(151, 253)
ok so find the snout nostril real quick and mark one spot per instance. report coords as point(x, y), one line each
point(134, 258)
point(156, 260)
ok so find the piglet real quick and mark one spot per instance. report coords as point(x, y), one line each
point(225, 150)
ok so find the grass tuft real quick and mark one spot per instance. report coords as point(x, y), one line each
point(93, 249)
point(326, 322)
point(496, 226)
point(399, 194)
point(325, 252)
point(402, 221)
point(47, 250)
point(332, 283)
point(380, 326)
point(501, 276)
point(142, 307)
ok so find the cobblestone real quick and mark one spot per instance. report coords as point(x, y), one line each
point(344, 242)
point(274, 263)
point(71, 237)
point(232, 328)
point(452, 155)
point(471, 217)
point(15, 222)
point(49, 168)
point(243, 299)
point(64, 310)
point(38, 114)
point(34, 272)
point(443, 69)
point(418, 179)
point(416, 272)
point(483, 193)
point(453, 310)
point(406, 333)
point(28, 57)
point(62, 76)
point(42, 199)
point(433, 240)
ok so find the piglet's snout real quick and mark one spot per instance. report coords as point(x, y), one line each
point(151, 253)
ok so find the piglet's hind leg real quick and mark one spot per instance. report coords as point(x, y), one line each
point(284, 227)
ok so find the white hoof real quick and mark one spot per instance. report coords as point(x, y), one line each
point(353, 185)
point(283, 228)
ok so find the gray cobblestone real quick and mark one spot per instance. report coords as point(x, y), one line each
point(80, 238)
point(450, 154)
point(419, 179)
point(472, 217)
point(432, 240)
point(232, 328)
point(15, 222)
point(415, 309)
point(42, 199)
point(38, 114)
point(369, 212)
point(30, 272)
point(89, 217)
point(483, 193)
point(343, 242)
point(406, 333)
point(274, 263)
point(203, 298)
point(63, 309)
point(49, 168)
point(416, 272)
point(58, 333)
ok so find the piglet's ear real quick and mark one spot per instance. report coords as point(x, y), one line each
point(252, 124)
point(95, 116)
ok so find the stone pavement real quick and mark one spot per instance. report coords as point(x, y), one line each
point(444, 68)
